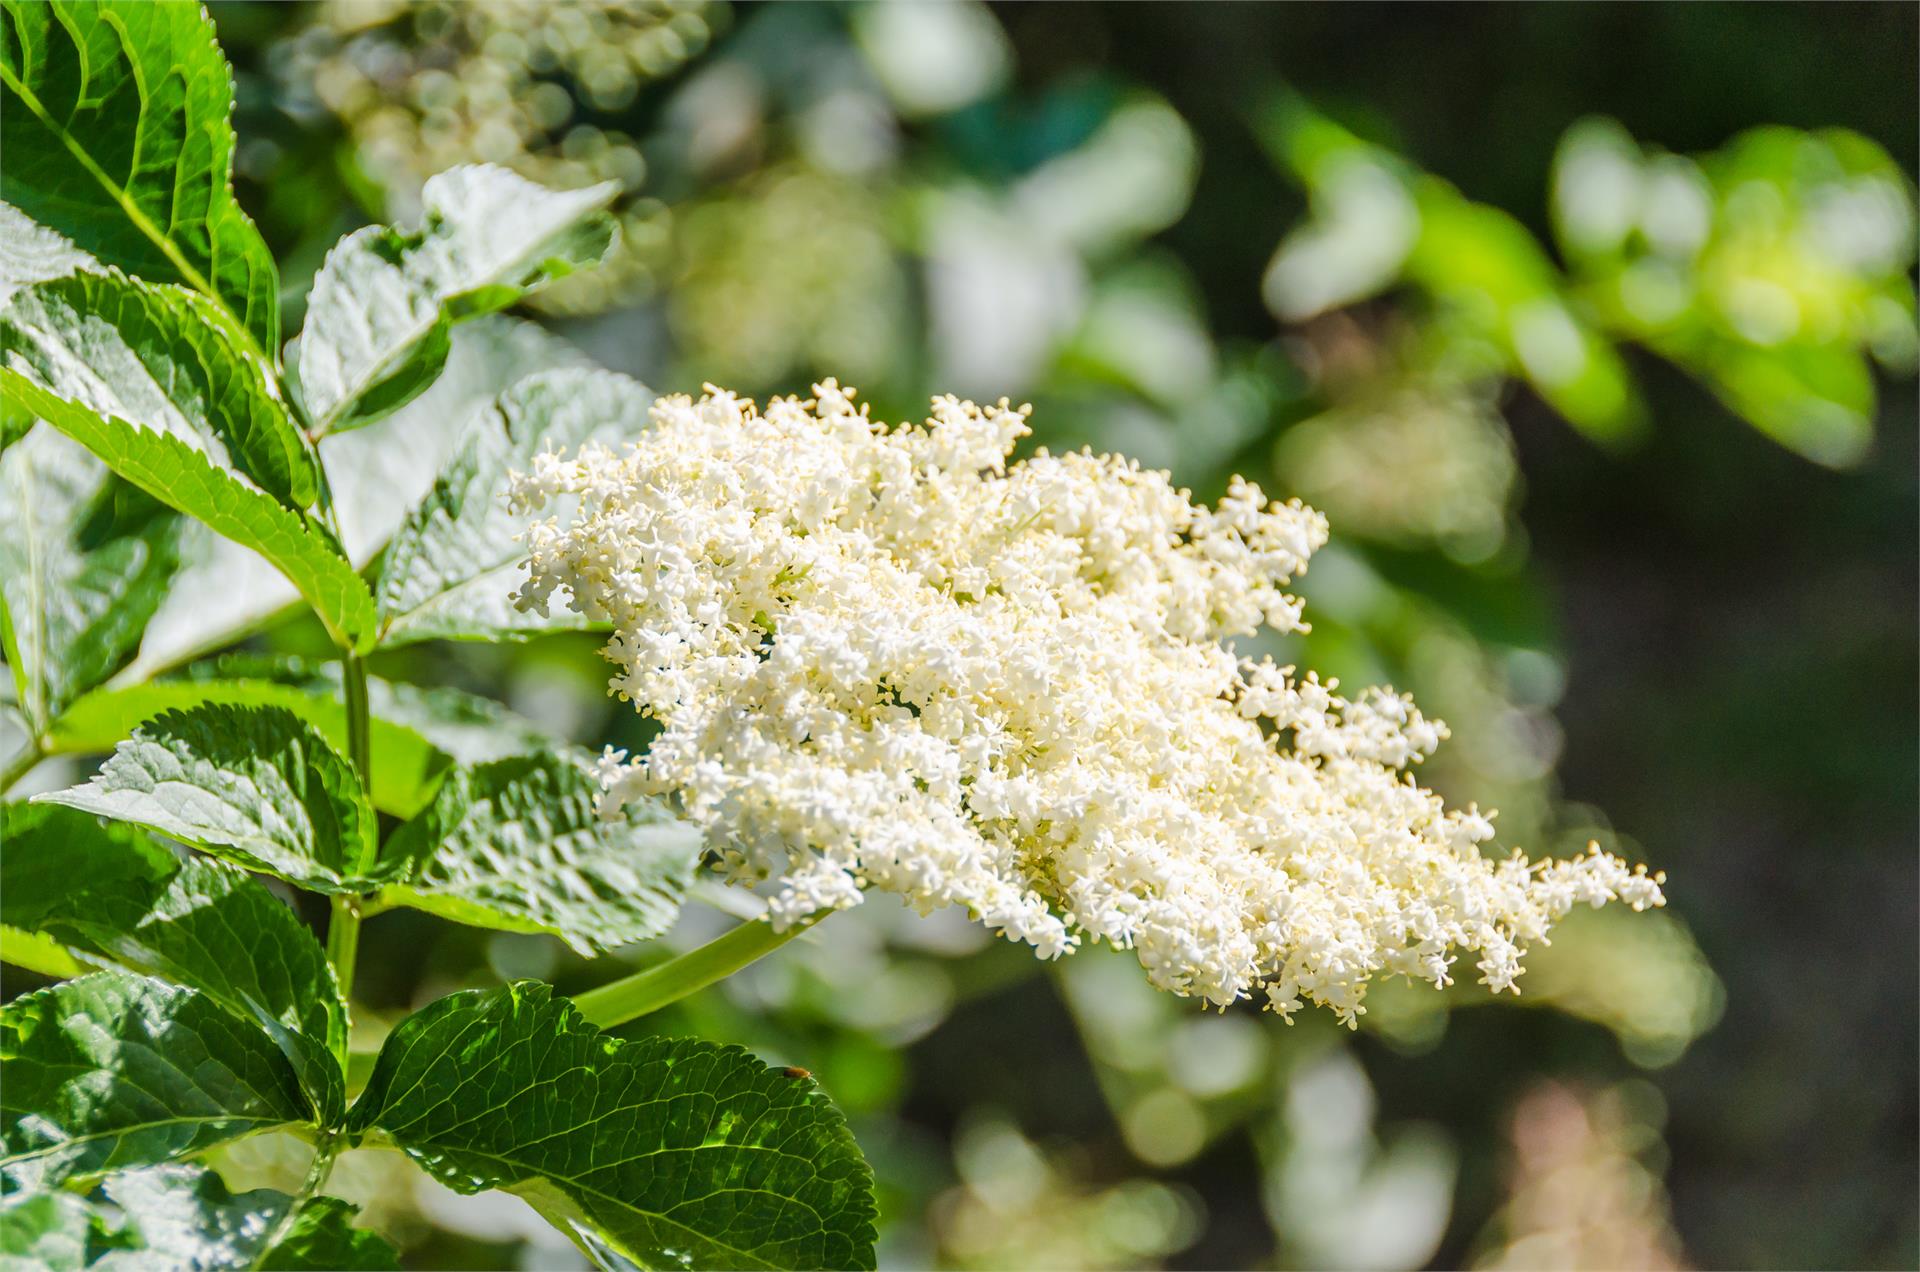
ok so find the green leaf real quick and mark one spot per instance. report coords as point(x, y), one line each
point(115, 1070)
point(150, 385)
point(674, 1152)
point(257, 785)
point(31, 253)
point(37, 953)
point(184, 1216)
point(384, 303)
point(322, 1238)
point(167, 359)
point(55, 1231)
point(451, 566)
point(408, 766)
point(517, 844)
point(108, 891)
point(117, 134)
point(84, 563)
point(226, 590)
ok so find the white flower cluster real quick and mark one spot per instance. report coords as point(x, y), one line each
point(887, 658)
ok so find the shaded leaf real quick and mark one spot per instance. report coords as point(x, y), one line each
point(115, 1070)
point(450, 567)
point(117, 134)
point(407, 765)
point(670, 1151)
point(517, 844)
point(109, 891)
point(257, 785)
point(84, 563)
point(379, 319)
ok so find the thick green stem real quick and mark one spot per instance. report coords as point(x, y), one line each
point(343, 940)
point(634, 996)
point(343, 921)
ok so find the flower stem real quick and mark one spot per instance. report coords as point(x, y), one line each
point(631, 997)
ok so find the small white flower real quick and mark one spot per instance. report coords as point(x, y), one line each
point(889, 658)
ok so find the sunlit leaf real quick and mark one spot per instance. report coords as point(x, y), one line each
point(259, 786)
point(672, 1152)
point(115, 1070)
point(382, 308)
point(517, 844)
point(117, 133)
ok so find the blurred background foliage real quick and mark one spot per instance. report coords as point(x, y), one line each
point(1591, 328)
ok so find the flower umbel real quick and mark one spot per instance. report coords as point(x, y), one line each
point(888, 658)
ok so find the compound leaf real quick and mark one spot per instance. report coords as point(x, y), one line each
point(379, 320)
point(517, 844)
point(84, 563)
point(257, 785)
point(117, 134)
point(109, 891)
point(115, 1070)
point(672, 1152)
point(449, 570)
point(407, 764)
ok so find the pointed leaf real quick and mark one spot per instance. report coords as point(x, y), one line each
point(258, 786)
point(226, 590)
point(378, 322)
point(167, 359)
point(671, 1151)
point(517, 844)
point(115, 1070)
point(84, 563)
point(109, 891)
point(117, 132)
point(144, 377)
point(452, 558)
point(407, 766)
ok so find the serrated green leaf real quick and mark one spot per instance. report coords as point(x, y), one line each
point(115, 1070)
point(84, 563)
point(117, 134)
point(226, 590)
point(450, 568)
point(37, 952)
point(184, 1216)
point(676, 1152)
point(182, 477)
point(167, 359)
point(407, 768)
point(384, 303)
point(31, 253)
point(517, 844)
point(108, 891)
point(257, 785)
point(55, 1231)
point(464, 725)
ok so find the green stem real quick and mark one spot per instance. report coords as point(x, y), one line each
point(20, 765)
point(343, 920)
point(343, 940)
point(631, 997)
point(323, 1155)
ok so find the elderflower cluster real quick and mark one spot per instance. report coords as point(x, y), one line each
point(889, 658)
